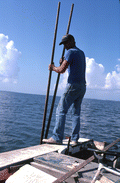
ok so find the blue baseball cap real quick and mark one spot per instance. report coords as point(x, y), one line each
point(67, 38)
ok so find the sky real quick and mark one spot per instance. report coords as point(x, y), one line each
point(26, 40)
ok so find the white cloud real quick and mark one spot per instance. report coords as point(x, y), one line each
point(8, 60)
point(112, 81)
point(118, 68)
point(63, 81)
point(96, 77)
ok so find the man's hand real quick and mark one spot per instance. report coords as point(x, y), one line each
point(61, 69)
point(51, 67)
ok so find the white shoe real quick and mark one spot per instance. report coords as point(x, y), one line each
point(51, 141)
point(73, 143)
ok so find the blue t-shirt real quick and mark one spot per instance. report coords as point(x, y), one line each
point(77, 65)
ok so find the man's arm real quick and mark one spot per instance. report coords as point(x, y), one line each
point(61, 69)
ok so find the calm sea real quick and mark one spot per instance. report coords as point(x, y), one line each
point(21, 117)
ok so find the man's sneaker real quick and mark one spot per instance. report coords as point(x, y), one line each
point(73, 143)
point(51, 141)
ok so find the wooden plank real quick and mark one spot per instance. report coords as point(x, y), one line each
point(99, 145)
point(29, 173)
point(58, 161)
point(15, 156)
point(52, 171)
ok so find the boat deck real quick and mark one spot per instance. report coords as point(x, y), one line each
point(51, 162)
point(20, 155)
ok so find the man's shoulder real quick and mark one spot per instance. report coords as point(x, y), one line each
point(74, 52)
point(76, 49)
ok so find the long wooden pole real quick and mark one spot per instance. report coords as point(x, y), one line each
point(74, 170)
point(50, 74)
point(57, 82)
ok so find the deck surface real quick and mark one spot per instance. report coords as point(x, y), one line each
point(12, 157)
point(65, 163)
point(45, 160)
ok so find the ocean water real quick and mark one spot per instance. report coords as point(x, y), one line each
point(21, 117)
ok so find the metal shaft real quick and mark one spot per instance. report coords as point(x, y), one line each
point(50, 74)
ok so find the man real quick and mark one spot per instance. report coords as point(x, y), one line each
point(74, 60)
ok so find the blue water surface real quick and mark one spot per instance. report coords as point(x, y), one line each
point(21, 117)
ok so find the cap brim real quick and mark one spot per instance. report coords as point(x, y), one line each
point(61, 43)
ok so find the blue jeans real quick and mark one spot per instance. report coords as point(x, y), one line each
point(72, 95)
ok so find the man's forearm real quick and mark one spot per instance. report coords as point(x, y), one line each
point(59, 69)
